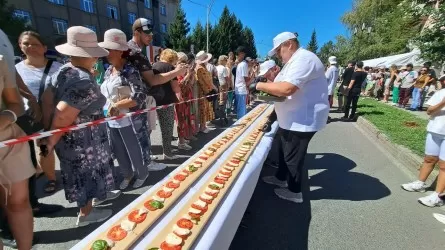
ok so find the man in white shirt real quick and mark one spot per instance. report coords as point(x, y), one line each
point(304, 112)
point(332, 75)
point(241, 80)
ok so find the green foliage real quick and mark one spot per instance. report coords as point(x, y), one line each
point(328, 49)
point(10, 25)
point(431, 41)
point(249, 42)
point(313, 44)
point(177, 33)
point(393, 123)
point(225, 36)
point(199, 37)
point(390, 30)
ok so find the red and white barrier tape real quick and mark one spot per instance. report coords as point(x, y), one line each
point(92, 123)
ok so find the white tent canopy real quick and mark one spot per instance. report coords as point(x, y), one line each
point(399, 60)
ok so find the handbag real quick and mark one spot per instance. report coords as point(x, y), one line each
point(26, 122)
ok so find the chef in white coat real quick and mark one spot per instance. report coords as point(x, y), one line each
point(304, 112)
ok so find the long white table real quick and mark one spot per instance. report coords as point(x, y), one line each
point(222, 227)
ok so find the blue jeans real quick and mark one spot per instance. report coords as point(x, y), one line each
point(417, 95)
point(241, 108)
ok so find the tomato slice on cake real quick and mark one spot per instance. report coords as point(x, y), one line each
point(184, 223)
point(136, 217)
point(116, 233)
point(163, 194)
point(171, 184)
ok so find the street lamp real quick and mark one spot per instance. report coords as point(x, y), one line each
point(209, 8)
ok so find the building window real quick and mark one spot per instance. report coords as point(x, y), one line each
point(131, 17)
point(133, 1)
point(24, 15)
point(60, 26)
point(163, 28)
point(91, 27)
point(147, 3)
point(87, 5)
point(59, 2)
point(112, 12)
point(163, 10)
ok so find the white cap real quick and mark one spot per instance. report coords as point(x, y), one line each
point(332, 60)
point(279, 39)
point(265, 66)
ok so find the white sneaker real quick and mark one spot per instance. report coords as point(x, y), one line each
point(124, 184)
point(184, 146)
point(139, 182)
point(431, 200)
point(96, 215)
point(415, 186)
point(156, 166)
point(110, 196)
point(170, 157)
point(206, 131)
point(286, 194)
point(274, 181)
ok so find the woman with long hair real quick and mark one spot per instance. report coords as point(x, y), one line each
point(125, 92)
point(34, 70)
point(84, 154)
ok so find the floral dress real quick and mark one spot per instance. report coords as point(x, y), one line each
point(185, 117)
point(205, 83)
point(131, 77)
point(84, 154)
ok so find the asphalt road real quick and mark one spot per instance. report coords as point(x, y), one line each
point(356, 203)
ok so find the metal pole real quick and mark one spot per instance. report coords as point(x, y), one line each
point(208, 14)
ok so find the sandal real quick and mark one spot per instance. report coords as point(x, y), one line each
point(50, 187)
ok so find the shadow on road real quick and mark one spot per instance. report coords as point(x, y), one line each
point(336, 182)
point(285, 225)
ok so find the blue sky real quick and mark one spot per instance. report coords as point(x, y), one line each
point(268, 18)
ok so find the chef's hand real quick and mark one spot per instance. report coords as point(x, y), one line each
point(267, 127)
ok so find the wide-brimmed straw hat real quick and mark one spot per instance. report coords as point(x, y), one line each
point(114, 39)
point(203, 57)
point(81, 42)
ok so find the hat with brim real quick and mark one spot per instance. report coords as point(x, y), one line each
point(114, 39)
point(279, 39)
point(81, 42)
point(332, 60)
point(203, 57)
point(144, 25)
point(266, 66)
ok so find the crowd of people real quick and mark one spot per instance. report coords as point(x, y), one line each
point(103, 79)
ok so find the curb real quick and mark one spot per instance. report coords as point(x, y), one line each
point(404, 156)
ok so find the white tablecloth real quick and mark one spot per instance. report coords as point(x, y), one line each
point(222, 227)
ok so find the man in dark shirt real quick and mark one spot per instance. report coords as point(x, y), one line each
point(353, 91)
point(347, 75)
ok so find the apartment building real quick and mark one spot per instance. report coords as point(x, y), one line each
point(51, 18)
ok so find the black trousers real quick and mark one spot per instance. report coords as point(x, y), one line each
point(351, 100)
point(292, 149)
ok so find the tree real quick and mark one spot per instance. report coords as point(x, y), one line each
point(379, 28)
point(222, 33)
point(198, 37)
point(313, 45)
point(249, 42)
point(177, 33)
point(9, 24)
point(327, 50)
point(431, 39)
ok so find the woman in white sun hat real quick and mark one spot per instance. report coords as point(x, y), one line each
point(205, 86)
point(125, 92)
point(84, 154)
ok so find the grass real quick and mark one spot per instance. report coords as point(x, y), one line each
point(399, 126)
